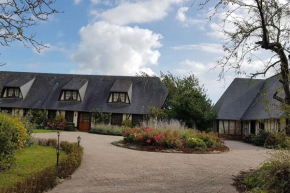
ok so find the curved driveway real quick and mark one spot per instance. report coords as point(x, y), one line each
point(107, 168)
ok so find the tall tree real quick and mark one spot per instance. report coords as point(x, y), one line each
point(256, 25)
point(18, 15)
point(187, 101)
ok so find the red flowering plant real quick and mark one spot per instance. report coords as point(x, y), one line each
point(171, 139)
point(59, 123)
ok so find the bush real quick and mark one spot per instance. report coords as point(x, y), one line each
point(58, 123)
point(39, 117)
point(273, 176)
point(13, 136)
point(277, 141)
point(127, 123)
point(46, 179)
point(105, 129)
point(260, 138)
point(172, 139)
point(101, 118)
point(70, 127)
point(195, 143)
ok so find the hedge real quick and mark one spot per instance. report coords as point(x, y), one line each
point(47, 178)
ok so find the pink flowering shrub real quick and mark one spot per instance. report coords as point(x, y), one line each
point(171, 139)
point(59, 123)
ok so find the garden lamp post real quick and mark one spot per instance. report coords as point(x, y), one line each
point(79, 140)
point(57, 151)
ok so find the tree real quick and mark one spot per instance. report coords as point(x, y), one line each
point(187, 101)
point(17, 16)
point(256, 25)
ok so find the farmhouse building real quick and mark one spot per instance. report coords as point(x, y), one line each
point(76, 96)
point(248, 105)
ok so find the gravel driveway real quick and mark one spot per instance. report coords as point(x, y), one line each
point(107, 168)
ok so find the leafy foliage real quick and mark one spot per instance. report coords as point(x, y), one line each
point(260, 138)
point(13, 136)
point(188, 102)
point(58, 123)
point(273, 176)
point(39, 117)
point(101, 118)
point(158, 114)
point(127, 123)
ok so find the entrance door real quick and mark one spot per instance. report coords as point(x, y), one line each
point(253, 127)
point(84, 121)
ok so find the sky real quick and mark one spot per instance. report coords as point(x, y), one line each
point(125, 37)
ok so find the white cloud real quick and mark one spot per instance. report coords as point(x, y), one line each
point(138, 11)
point(206, 47)
point(208, 75)
point(77, 1)
point(116, 50)
point(187, 21)
point(180, 16)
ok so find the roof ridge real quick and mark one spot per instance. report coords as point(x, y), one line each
point(91, 75)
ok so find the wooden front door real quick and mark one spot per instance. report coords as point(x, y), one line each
point(84, 121)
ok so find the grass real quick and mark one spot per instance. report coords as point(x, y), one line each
point(29, 161)
point(45, 131)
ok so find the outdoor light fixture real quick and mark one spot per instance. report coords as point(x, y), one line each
point(57, 151)
point(79, 140)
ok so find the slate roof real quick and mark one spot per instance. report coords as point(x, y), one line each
point(46, 89)
point(249, 99)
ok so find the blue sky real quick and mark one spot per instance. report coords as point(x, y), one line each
point(124, 37)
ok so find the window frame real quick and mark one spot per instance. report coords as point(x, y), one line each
point(71, 95)
point(118, 97)
point(13, 92)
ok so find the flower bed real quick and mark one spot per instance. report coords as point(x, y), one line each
point(186, 141)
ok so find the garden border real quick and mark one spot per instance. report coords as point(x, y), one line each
point(48, 178)
point(159, 149)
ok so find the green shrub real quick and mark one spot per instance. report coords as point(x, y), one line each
point(13, 136)
point(46, 178)
point(39, 117)
point(195, 143)
point(101, 118)
point(278, 141)
point(127, 123)
point(273, 176)
point(260, 138)
point(69, 127)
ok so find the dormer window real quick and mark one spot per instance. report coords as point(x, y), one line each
point(10, 92)
point(70, 95)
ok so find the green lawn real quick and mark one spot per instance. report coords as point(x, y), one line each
point(45, 131)
point(29, 161)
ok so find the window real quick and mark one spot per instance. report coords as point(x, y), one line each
point(122, 97)
point(115, 97)
point(71, 95)
point(7, 110)
point(51, 114)
point(117, 119)
point(119, 97)
point(13, 93)
point(25, 112)
point(69, 116)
